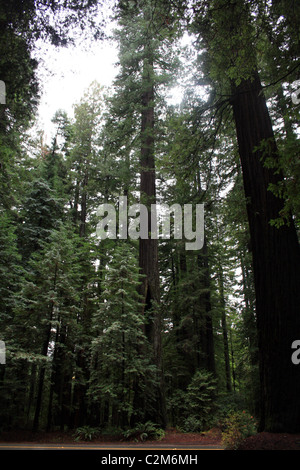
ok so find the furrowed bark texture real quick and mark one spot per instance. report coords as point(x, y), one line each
point(276, 262)
point(148, 248)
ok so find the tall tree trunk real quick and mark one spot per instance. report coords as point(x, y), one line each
point(224, 328)
point(208, 344)
point(44, 353)
point(148, 247)
point(250, 326)
point(84, 201)
point(31, 389)
point(52, 382)
point(276, 261)
point(41, 378)
point(209, 334)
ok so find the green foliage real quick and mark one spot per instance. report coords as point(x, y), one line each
point(10, 271)
point(144, 431)
point(41, 213)
point(86, 433)
point(200, 405)
point(237, 426)
point(119, 339)
point(228, 403)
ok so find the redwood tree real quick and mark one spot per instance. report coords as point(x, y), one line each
point(229, 32)
point(145, 69)
point(276, 261)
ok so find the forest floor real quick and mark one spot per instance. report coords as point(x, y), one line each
point(260, 441)
point(171, 437)
point(271, 441)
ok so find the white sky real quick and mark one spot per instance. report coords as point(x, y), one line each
point(67, 73)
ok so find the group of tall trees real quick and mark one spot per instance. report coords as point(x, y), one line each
point(115, 332)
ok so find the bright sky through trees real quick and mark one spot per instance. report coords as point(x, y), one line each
point(68, 72)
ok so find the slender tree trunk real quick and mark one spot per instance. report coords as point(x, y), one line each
point(52, 382)
point(209, 336)
point(232, 361)
point(276, 262)
point(208, 344)
point(44, 353)
point(224, 329)
point(31, 390)
point(79, 393)
point(84, 200)
point(41, 383)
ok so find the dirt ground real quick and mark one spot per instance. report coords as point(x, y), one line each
point(271, 441)
point(172, 437)
point(261, 441)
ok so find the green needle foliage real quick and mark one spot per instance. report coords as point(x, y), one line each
point(120, 353)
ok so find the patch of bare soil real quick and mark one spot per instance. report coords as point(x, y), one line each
point(271, 441)
point(36, 437)
point(214, 436)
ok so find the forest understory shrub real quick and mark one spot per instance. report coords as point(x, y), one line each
point(229, 403)
point(86, 433)
point(199, 403)
point(236, 427)
point(140, 432)
point(144, 431)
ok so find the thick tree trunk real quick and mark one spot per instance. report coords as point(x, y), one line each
point(148, 247)
point(276, 262)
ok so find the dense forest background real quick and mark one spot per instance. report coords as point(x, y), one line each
point(113, 333)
